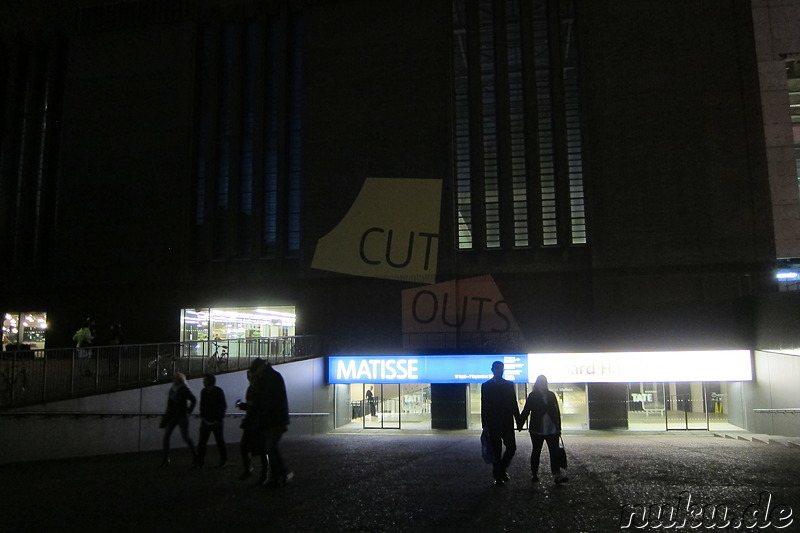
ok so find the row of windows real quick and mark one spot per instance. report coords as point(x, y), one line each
point(248, 166)
point(518, 156)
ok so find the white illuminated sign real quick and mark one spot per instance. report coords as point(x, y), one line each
point(372, 370)
point(632, 367)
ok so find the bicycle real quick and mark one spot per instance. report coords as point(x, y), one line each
point(163, 366)
point(218, 362)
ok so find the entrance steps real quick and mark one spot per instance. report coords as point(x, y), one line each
point(760, 438)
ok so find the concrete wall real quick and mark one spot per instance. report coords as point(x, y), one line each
point(775, 387)
point(777, 36)
point(130, 418)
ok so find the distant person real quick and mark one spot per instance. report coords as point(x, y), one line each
point(272, 409)
point(253, 430)
point(212, 412)
point(544, 426)
point(83, 341)
point(114, 338)
point(180, 404)
point(370, 402)
point(499, 413)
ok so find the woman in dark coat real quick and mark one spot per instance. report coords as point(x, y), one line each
point(253, 441)
point(544, 426)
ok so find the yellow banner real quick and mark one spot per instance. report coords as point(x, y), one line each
point(391, 231)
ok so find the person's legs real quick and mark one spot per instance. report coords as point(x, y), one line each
point(552, 448)
point(219, 438)
point(555, 468)
point(536, 453)
point(495, 438)
point(171, 423)
point(205, 432)
point(278, 474)
point(510, 442)
point(244, 449)
point(183, 424)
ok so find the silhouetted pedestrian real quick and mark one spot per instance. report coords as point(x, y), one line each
point(212, 413)
point(83, 341)
point(268, 409)
point(370, 401)
point(499, 412)
point(180, 404)
point(544, 426)
point(114, 339)
point(253, 434)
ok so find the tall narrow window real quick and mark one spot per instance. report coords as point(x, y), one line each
point(491, 186)
point(544, 115)
point(31, 87)
point(516, 124)
point(573, 125)
point(269, 233)
point(253, 56)
point(463, 174)
point(295, 135)
point(225, 140)
point(517, 132)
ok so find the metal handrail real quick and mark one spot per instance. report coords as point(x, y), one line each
point(129, 414)
point(29, 377)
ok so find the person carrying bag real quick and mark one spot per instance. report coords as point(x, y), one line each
point(544, 426)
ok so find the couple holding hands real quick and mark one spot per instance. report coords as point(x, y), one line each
point(500, 416)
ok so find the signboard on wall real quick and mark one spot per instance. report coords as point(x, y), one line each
point(465, 305)
point(423, 368)
point(605, 367)
point(632, 367)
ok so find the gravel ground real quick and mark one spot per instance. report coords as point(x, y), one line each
point(430, 481)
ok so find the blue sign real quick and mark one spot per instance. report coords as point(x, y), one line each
point(423, 368)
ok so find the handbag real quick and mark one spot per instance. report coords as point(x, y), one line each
point(561, 454)
point(486, 448)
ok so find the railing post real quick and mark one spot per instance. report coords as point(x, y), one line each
point(72, 372)
point(96, 369)
point(12, 380)
point(44, 376)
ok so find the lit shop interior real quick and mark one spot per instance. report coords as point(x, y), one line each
point(24, 331)
point(242, 331)
point(237, 322)
point(677, 404)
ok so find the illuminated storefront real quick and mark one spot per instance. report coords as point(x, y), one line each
point(237, 322)
point(633, 390)
point(24, 331)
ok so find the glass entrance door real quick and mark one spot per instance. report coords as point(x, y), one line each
point(646, 406)
point(382, 406)
point(686, 406)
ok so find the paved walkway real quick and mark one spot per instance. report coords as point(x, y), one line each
point(397, 482)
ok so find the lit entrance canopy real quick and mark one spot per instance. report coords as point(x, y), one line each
point(601, 367)
point(632, 367)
